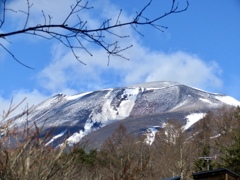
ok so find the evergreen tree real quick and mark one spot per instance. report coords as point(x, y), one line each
point(231, 153)
point(204, 163)
point(202, 142)
point(231, 157)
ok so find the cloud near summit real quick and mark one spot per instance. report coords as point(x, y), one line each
point(144, 66)
point(65, 73)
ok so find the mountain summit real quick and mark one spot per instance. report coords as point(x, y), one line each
point(95, 114)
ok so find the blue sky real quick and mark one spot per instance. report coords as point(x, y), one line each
point(200, 48)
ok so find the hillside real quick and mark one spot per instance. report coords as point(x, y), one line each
point(94, 115)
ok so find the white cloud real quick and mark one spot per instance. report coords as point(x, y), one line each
point(144, 66)
point(185, 68)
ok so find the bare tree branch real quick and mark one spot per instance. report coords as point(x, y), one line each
point(27, 13)
point(9, 52)
point(2, 20)
point(69, 35)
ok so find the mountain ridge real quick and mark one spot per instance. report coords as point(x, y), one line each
point(87, 113)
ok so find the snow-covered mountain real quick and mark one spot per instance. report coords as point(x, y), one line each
point(96, 114)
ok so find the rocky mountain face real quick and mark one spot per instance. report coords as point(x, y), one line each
point(95, 115)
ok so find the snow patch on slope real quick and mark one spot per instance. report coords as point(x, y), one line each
point(204, 91)
point(76, 96)
point(75, 138)
point(56, 137)
point(212, 103)
point(180, 105)
point(216, 136)
point(151, 132)
point(205, 100)
point(107, 113)
point(126, 106)
point(228, 100)
point(156, 84)
point(192, 119)
point(124, 109)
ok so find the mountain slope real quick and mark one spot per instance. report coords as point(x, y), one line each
point(94, 114)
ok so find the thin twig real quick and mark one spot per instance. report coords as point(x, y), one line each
point(9, 52)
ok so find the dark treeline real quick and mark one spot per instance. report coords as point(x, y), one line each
point(123, 156)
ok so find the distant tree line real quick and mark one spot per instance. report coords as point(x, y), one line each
point(124, 156)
